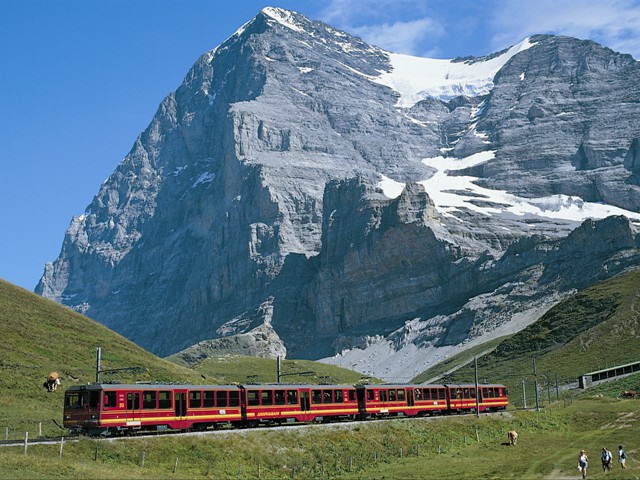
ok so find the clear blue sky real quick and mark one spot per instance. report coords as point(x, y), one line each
point(80, 79)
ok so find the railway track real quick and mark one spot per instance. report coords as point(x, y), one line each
point(221, 431)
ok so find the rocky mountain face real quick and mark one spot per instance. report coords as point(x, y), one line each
point(294, 197)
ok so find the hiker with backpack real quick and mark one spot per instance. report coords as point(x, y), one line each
point(622, 457)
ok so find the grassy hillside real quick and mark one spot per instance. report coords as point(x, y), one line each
point(455, 447)
point(596, 328)
point(38, 336)
point(456, 361)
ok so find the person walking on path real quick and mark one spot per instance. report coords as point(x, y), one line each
point(622, 457)
point(606, 459)
point(583, 463)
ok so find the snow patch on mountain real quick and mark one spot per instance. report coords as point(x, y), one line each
point(283, 17)
point(452, 193)
point(416, 78)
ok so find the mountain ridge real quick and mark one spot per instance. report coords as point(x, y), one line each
point(265, 179)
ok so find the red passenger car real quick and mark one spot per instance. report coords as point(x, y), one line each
point(462, 397)
point(412, 400)
point(104, 409)
point(493, 397)
point(431, 399)
point(268, 404)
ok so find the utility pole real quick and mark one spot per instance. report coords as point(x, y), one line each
point(535, 376)
point(549, 386)
point(524, 396)
point(475, 366)
point(278, 371)
point(98, 358)
point(113, 370)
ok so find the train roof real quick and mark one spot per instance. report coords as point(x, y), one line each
point(148, 386)
point(174, 386)
point(249, 386)
point(431, 385)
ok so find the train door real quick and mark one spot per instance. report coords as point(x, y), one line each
point(410, 397)
point(180, 406)
point(305, 404)
point(362, 404)
point(454, 398)
point(133, 409)
point(481, 395)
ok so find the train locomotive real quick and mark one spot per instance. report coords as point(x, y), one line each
point(109, 409)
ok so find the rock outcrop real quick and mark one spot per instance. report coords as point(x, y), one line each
point(293, 197)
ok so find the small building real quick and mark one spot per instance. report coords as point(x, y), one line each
point(594, 378)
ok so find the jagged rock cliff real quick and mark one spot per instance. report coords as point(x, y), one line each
point(310, 194)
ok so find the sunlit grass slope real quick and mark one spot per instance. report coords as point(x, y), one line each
point(594, 329)
point(38, 336)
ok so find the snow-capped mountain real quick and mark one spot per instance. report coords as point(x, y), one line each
point(304, 193)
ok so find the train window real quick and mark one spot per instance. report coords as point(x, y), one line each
point(370, 395)
point(195, 399)
point(279, 396)
point(292, 397)
point(164, 399)
point(337, 396)
point(418, 394)
point(149, 399)
point(253, 398)
point(465, 393)
point(326, 395)
point(267, 397)
point(473, 392)
point(401, 394)
point(73, 400)
point(392, 394)
point(458, 393)
point(442, 394)
point(485, 393)
point(383, 395)
point(316, 396)
point(491, 393)
point(208, 399)
point(221, 398)
point(234, 398)
point(352, 395)
point(94, 398)
point(110, 399)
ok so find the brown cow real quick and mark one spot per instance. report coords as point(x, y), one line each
point(53, 380)
point(513, 437)
point(629, 394)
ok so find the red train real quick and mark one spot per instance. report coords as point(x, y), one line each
point(106, 409)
